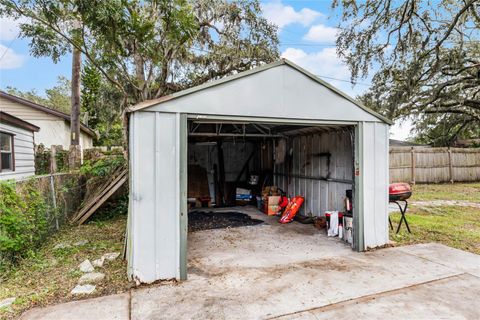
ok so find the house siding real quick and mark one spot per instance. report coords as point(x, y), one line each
point(53, 130)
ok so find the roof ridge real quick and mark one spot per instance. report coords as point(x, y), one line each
point(281, 61)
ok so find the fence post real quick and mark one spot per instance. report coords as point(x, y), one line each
point(412, 153)
point(450, 165)
point(53, 159)
point(54, 200)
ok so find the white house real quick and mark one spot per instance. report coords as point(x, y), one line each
point(16, 147)
point(54, 125)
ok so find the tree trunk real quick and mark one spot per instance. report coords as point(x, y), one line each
point(140, 74)
point(75, 149)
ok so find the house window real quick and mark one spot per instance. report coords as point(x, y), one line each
point(6, 152)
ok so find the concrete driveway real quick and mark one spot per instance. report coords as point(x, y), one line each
point(295, 272)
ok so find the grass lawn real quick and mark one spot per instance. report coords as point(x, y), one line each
point(447, 191)
point(454, 226)
point(48, 275)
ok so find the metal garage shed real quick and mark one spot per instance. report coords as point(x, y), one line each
point(268, 103)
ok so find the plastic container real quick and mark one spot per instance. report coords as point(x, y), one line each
point(340, 219)
point(348, 229)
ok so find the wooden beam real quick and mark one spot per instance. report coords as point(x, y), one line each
point(102, 191)
point(245, 165)
point(103, 198)
point(450, 165)
point(412, 153)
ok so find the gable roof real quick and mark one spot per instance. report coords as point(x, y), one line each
point(14, 121)
point(149, 103)
point(45, 109)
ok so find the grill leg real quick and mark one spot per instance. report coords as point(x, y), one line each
point(390, 222)
point(399, 224)
point(403, 218)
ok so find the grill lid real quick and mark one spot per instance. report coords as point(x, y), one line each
point(399, 191)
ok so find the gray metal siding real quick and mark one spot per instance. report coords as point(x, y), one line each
point(319, 195)
point(280, 92)
point(375, 183)
point(155, 197)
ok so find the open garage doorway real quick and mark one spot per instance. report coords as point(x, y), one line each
point(237, 171)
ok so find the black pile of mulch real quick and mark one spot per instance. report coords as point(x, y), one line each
point(198, 220)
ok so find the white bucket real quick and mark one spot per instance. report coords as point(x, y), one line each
point(348, 229)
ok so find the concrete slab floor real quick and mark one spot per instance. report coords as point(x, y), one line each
point(272, 270)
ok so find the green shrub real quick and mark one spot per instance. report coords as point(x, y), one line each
point(42, 160)
point(103, 167)
point(23, 221)
point(61, 157)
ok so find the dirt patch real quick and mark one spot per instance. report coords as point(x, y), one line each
point(199, 272)
point(326, 265)
point(198, 220)
point(251, 274)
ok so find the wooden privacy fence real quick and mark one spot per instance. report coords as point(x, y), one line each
point(434, 165)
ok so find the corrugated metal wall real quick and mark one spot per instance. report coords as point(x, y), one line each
point(304, 172)
point(154, 221)
point(373, 173)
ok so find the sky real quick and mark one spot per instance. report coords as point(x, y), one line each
point(307, 35)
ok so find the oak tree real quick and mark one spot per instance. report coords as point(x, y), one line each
point(428, 58)
point(150, 48)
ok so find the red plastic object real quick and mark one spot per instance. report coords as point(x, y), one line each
point(291, 209)
point(340, 218)
point(283, 202)
point(340, 215)
point(399, 191)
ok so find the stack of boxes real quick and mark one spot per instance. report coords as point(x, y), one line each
point(270, 200)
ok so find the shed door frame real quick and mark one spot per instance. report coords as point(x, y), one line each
point(183, 172)
point(183, 147)
point(358, 192)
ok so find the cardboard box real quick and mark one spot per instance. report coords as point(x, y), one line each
point(270, 191)
point(271, 206)
point(273, 209)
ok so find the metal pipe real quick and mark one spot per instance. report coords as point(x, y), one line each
point(314, 178)
point(246, 135)
point(265, 120)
